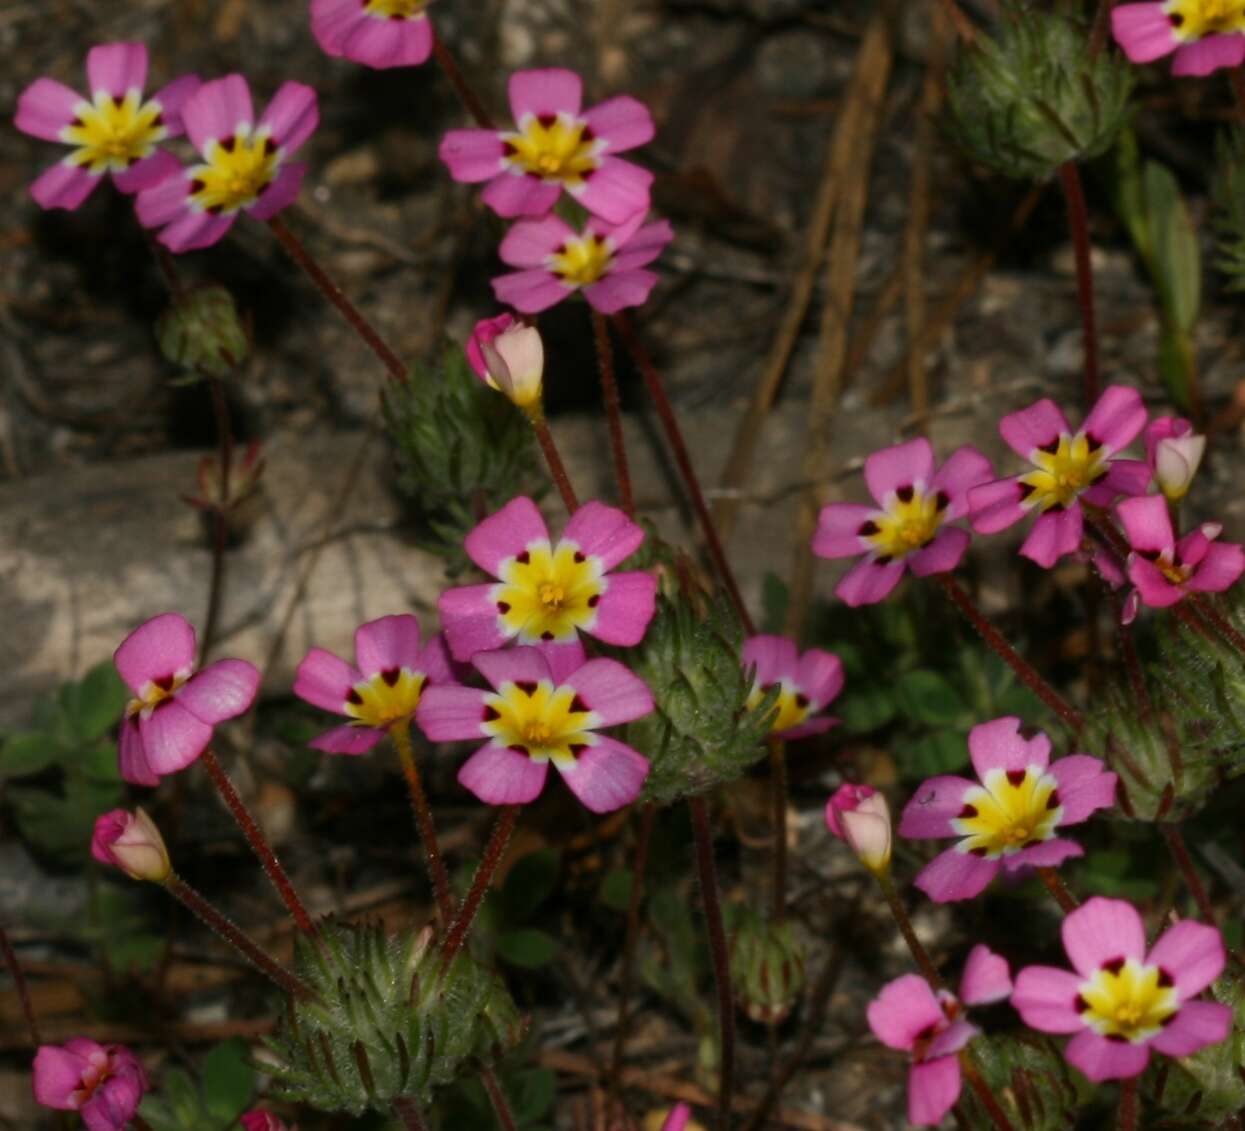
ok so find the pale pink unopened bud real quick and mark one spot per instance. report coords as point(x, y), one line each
point(131, 842)
point(1174, 452)
point(509, 355)
point(859, 816)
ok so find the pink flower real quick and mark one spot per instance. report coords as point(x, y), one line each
point(102, 1083)
point(1121, 1001)
point(113, 130)
point(1067, 467)
point(908, 1015)
point(544, 707)
point(508, 355)
point(546, 592)
point(1009, 820)
point(246, 163)
point(806, 683)
point(1204, 36)
point(259, 1120)
point(384, 689)
point(1174, 452)
point(131, 842)
point(1164, 570)
point(376, 33)
point(859, 816)
point(678, 1118)
point(604, 261)
point(169, 722)
point(555, 147)
point(910, 526)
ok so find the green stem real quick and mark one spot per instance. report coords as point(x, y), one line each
point(400, 732)
point(493, 851)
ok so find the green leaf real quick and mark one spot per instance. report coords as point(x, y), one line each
point(1177, 261)
point(101, 699)
point(228, 1079)
point(774, 598)
point(1177, 363)
point(926, 697)
point(615, 890)
point(60, 826)
point(529, 883)
point(527, 947)
point(867, 708)
point(932, 754)
point(26, 753)
point(531, 1094)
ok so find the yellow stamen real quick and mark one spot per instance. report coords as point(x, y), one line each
point(909, 523)
point(581, 261)
point(793, 706)
point(554, 148)
point(1126, 1000)
point(235, 172)
point(1075, 465)
point(388, 697)
point(1008, 812)
point(544, 722)
point(111, 134)
point(548, 594)
point(1194, 19)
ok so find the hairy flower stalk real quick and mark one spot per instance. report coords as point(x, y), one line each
point(400, 732)
point(1078, 222)
point(499, 838)
point(613, 410)
point(19, 984)
point(553, 458)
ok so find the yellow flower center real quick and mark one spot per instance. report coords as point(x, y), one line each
point(388, 697)
point(111, 135)
point(1194, 19)
point(1127, 1001)
point(793, 705)
point(1065, 468)
point(235, 171)
point(553, 147)
point(547, 594)
point(155, 693)
point(582, 260)
point(909, 523)
point(395, 9)
point(1010, 810)
point(547, 723)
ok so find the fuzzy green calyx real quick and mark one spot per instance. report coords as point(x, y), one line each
point(1030, 99)
point(767, 967)
point(386, 1021)
point(201, 332)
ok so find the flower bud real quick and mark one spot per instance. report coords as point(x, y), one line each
point(201, 331)
point(258, 1120)
point(859, 816)
point(131, 842)
point(509, 356)
point(244, 477)
point(1174, 452)
point(767, 967)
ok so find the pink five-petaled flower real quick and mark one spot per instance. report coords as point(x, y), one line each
point(1009, 820)
point(859, 816)
point(547, 592)
point(509, 356)
point(245, 162)
point(678, 1118)
point(555, 146)
point(376, 33)
point(909, 528)
point(384, 689)
point(1067, 467)
point(169, 722)
point(1204, 34)
point(114, 130)
point(544, 707)
point(1164, 570)
point(908, 1015)
point(1174, 452)
point(131, 842)
point(806, 683)
point(102, 1083)
point(605, 261)
point(1121, 1001)
point(260, 1120)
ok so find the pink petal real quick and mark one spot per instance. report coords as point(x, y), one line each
point(471, 155)
point(217, 109)
point(332, 21)
point(348, 739)
point(1198, 1024)
point(223, 690)
point(1101, 930)
point(1045, 997)
point(437, 663)
point(112, 1104)
point(820, 676)
point(986, 977)
point(942, 555)
point(903, 1010)
point(965, 468)
point(1143, 31)
point(505, 534)
point(603, 532)
point(774, 658)
point(999, 745)
point(1085, 786)
point(324, 680)
point(512, 665)
point(1101, 1059)
point(45, 108)
point(612, 691)
point(530, 292)
point(57, 1075)
point(131, 759)
point(678, 1118)
point(1124, 477)
point(1209, 55)
point(1146, 522)
point(281, 193)
point(616, 190)
point(173, 737)
point(1219, 569)
point(516, 194)
point(157, 649)
point(382, 44)
point(626, 608)
point(499, 776)
point(292, 115)
point(900, 466)
point(1117, 418)
point(546, 91)
point(470, 621)
point(163, 202)
point(1193, 546)
point(1152, 586)
point(1054, 534)
point(619, 290)
point(933, 1088)
point(147, 172)
point(564, 660)
point(1048, 854)
point(807, 728)
point(624, 122)
point(448, 713)
point(954, 875)
point(641, 247)
point(953, 1038)
point(1192, 953)
point(995, 506)
point(1033, 427)
point(386, 643)
point(172, 97)
point(606, 776)
point(868, 582)
point(837, 528)
point(936, 803)
point(117, 68)
point(63, 186)
point(195, 230)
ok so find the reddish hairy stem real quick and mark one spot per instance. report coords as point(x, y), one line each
point(220, 525)
point(493, 851)
point(626, 975)
point(1058, 890)
point(1221, 624)
point(613, 411)
point(1127, 1114)
point(557, 469)
point(900, 914)
point(259, 844)
point(408, 1111)
point(467, 96)
point(19, 984)
point(982, 1091)
point(778, 804)
point(1078, 222)
point(400, 732)
point(497, 1097)
point(1180, 854)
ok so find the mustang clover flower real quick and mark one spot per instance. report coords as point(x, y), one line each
point(806, 683)
point(260, 1120)
point(1122, 1001)
point(245, 162)
point(102, 1083)
point(376, 33)
point(1204, 34)
point(1009, 819)
point(509, 356)
point(1174, 452)
point(114, 130)
point(859, 816)
point(131, 842)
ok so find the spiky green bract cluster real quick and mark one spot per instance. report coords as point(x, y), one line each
point(767, 967)
point(1031, 1082)
point(1228, 191)
point(386, 1021)
point(700, 732)
point(201, 332)
point(463, 451)
point(1030, 99)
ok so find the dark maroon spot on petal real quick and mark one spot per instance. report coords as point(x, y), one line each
point(1053, 801)
point(577, 748)
point(527, 686)
point(1176, 559)
point(1149, 555)
point(163, 703)
point(587, 174)
point(904, 494)
point(594, 600)
point(165, 682)
point(926, 1033)
point(1031, 844)
point(196, 187)
point(158, 120)
point(523, 558)
point(76, 124)
point(1118, 1038)
point(1051, 447)
point(1080, 1004)
point(546, 635)
point(1055, 508)
point(802, 700)
point(1165, 978)
point(579, 557)
point(228, 143)
point(518, 748)
point(977, 851)
point(1164, 1022)
point(130, 162)
point(1093, 441)
point(490, 714)
point(1176, 19)
point(391, 676)
point(928, 542)
point(1026, 489)
point(867, 529)
point(352, 696)
point(214, 209)
point(503, 607)
point(882, 560)
point(968, 812)
point(577, 704)
point(508, 148)
point(1099, 476)
point(1017, 777)
point(586, 134)
point(546, 120)
point(270, 146)
point(1114, 965)
point(942, 500)
point(533, 174)
point(396, 16)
